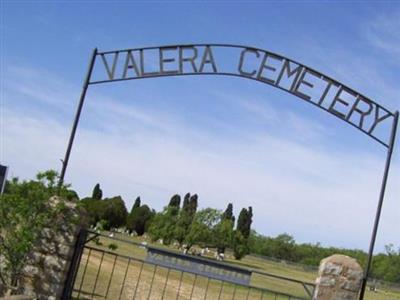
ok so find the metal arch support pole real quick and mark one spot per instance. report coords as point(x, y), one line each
point(379, 208)
point(77, 116)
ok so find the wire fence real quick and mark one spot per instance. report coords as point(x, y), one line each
point(304, 267)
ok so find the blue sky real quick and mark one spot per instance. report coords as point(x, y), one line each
point(227, 139)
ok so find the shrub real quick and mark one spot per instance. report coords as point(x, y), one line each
point(112, 246)
point(25, 211)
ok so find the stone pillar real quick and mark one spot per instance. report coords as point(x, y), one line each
point(339, 278)
point(46, 272)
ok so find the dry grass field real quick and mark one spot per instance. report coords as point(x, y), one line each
point(119, 277)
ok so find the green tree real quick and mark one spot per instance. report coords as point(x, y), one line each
point(244, 222)
point(239, 245)
point(248, 223)
point(201, 229)
point(95, 209)
point(223, 234)
point(186, 216)
point(97, 192)
point(114, 212)
point(94, 206)
point(163, 224)
point(198, 234)
point(283, 247)
point(138, 219)
point(386, 266)
point(193, 203)
point(175, 201)
point(228, 213)
point(103, 225)
point(25, 211)
point(186, 199)
point(136, 204)
point(209, 216)
point(242, 233)
point(133, 217)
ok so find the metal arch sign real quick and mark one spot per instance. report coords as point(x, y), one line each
point(260, 65)
point(251, 63)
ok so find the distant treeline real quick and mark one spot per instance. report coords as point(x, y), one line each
point(186, 225)
point(284, 247)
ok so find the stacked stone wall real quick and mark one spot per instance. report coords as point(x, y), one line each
point(339, 278)
point(46, 272)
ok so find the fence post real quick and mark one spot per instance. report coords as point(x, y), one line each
point(74, 266)
point(339, 277)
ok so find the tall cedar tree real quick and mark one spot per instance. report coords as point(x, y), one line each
point(228, 214)
point(193, 202)
point(97, 192)
point(136, 204)
point(186, 199)
point(241, 223)
point(175, 201)
point(186, 217)
point(131, 219)
point(139, 219)
point(244, 222)
point(249, 221)
point(242, 233)
point(190, 204)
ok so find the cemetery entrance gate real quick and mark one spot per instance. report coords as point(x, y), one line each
point(132, 270)
point(348, 105)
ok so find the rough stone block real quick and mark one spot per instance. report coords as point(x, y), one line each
point(326, 281)
point(349, 285)
point(16, 297)
point(339, 278)
point(50, 289)
point(55, 263)
point(31, 270)
point(332, 269)
point(65, 251)
point(45, 273)
point(356, 275)
point(344, 295)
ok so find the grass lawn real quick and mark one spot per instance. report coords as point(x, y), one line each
point(145, 281)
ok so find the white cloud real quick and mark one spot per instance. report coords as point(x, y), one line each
point(39, 85)
point(292, 188)
point(315, 193)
